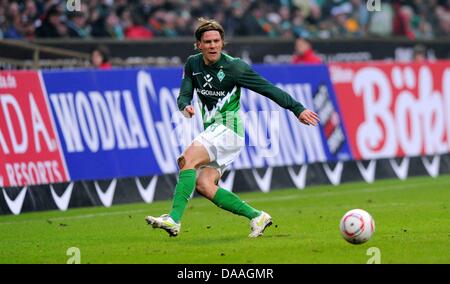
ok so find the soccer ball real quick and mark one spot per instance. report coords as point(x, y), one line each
point(357, 226)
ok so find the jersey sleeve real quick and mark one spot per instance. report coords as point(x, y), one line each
point(249, 79)
point(187, 88)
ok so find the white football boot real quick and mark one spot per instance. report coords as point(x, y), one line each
point(259, 224)
point(164, 222)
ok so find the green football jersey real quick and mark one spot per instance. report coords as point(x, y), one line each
point(218, 87)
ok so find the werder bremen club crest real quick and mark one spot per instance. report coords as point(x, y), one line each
point(220, 75)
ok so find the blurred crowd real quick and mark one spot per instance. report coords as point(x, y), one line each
point(145, 19)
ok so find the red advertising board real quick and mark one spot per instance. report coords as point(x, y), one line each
point(29, 148)
point(394, 109)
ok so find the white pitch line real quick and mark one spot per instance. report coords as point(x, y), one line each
point(86, 216)
point(76, 217)
point(335, 192)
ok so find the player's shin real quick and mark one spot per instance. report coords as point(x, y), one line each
point(183, 191)
point(231, 202)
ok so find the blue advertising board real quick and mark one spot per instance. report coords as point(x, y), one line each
point(125, 122)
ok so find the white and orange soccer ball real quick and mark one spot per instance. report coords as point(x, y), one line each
point(357, 226)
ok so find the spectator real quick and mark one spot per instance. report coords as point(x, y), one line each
point(108, 26)
point(380, 23)
point(100, 58)
point(360, 15)
point(52, 24)
point(419, 53)
point(135, 28)
point(30, 11)
point(169, 26)
point(14, 27)
point(304, 53)
point(77, 25)
point(253, 22)
point(402, 21)
point(443, 16)
point(234, 22)
point(182, 25)
point(299, 27)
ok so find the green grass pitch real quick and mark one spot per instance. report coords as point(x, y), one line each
point(412, 220)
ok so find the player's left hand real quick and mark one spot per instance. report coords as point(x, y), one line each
point(309, 117)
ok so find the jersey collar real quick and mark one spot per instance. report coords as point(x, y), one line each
point(218, 62)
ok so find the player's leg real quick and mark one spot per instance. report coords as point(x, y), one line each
point(194, 156)
point(207, 180)
point(206, 185)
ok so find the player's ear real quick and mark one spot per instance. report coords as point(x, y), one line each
point(197, 44)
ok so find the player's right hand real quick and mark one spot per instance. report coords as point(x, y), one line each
point(189, 111)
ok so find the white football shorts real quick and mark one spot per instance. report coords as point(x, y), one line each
point(223, 146)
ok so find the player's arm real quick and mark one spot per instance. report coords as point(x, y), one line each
point(186, 93)
point(249, 79)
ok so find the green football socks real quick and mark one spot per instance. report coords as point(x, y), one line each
point(224, 199)
point(231, 202)
point(183, 191)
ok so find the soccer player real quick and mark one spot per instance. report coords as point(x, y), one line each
point(217, 78)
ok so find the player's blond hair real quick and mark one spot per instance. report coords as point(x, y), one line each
point(205, 25)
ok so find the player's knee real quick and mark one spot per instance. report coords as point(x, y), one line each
point(185, 162)
point(203, 186)
point(181, 162)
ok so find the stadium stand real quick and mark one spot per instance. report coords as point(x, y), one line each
point(146, 19)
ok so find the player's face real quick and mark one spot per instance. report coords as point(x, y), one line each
point(211, 45)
